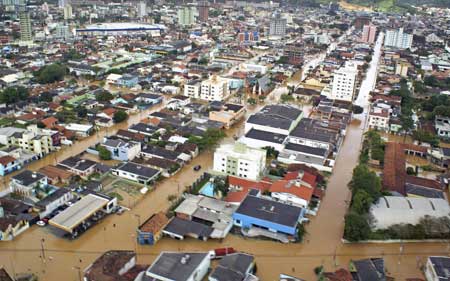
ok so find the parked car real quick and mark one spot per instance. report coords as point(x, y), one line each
point(41, 223)
point(120, 211)
point(197, 168)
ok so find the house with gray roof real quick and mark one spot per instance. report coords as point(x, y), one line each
point(172, 266)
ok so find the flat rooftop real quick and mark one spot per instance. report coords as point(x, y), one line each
point(78, 212)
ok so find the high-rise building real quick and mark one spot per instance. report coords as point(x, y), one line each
point(203, 11)
point(398, 39)
point(344, 81)
point(277, 26)
point(186, 15)
point(361, 21)
point(240, 160)
point(368, 34)
point(248, 37)
point(26, 33)
point(62, 3)
point(214, 89)
point(142, 9)
point(62, 31)
point(68, 12)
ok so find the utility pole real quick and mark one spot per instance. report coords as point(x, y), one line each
point(79, 272)
point(43, 249)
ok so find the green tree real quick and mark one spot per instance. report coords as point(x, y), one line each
point(81, 111)
point(104, 96)
point(356, 227)
point(51, 73)
point(251, 101)
point(120, 116)
point(286, 98)
point(103, 153)
point(364, 179)
point(203, 60)
point(357, 109)
point(361, 202)
point(13, 94)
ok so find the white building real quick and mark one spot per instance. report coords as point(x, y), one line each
point(390, 210)
point(68, 12)
point(192, 89)
point(142, 9)
point(174, 266)
point(186, 15)
point(240, 160)
point(379, 118)
point(442, 125)
point(398, 39)
point(277, 27)
point(344, 81)
point(214, 89)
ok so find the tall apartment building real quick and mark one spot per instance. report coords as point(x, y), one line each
point(192, 89)
point(240, 160)
point(248, 37)
point(277, 27)
point(62, 31)
point(68, 12)
point(142, 9)
point(62, 3)
point(398, 39)
point(186, 15)
point(344, 81)
point(203, 11)
point(369, 34)
point(214, 89)
point(26, 33)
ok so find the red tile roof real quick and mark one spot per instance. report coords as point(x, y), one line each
point(5, 160)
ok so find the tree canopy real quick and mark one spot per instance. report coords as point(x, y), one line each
point(13, 94)
point(120, 116)
point(51, 73)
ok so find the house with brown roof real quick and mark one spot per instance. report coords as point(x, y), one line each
point(56, 175)
point(49, 122)
point(116, 265)
point(395, 178)
point(8, 164)
point(151, 230)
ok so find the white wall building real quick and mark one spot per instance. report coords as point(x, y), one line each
point(192, 90)
point(214, 89)
point(344, 81)
point(240, 160)
point(390, 210)
point(379, 118)
point(398, 39)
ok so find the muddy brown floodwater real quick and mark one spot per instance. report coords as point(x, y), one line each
point(53, 258)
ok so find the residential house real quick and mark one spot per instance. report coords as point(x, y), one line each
point(171, 266)
point(234, 267)
point(12, 226)
point(379, 119)
point(26, 181)
point(8, 164)
point(78, 166)
point(56, 175)
point(268, 216)
point(136, 172)
point(122, 150)
point(442, 125)
point(372, 269)
point(229, 115)
point(113, 265)
point(150, 231)
point(262, 139)
point(54, 200)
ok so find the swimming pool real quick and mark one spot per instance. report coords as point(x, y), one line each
point(208, 189)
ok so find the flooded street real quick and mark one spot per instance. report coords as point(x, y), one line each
point(81, 145)
point(54, 258)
